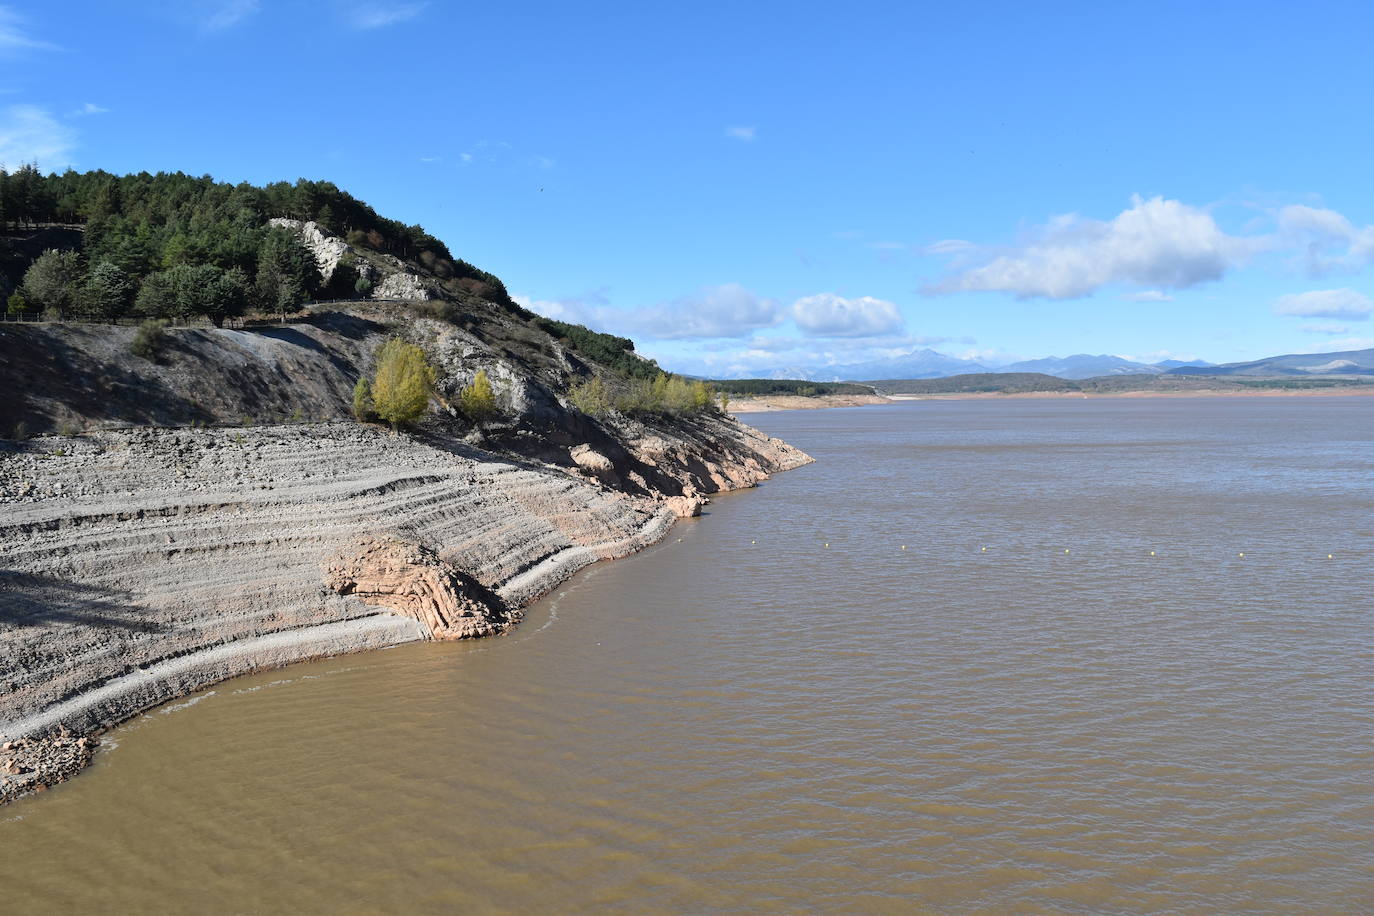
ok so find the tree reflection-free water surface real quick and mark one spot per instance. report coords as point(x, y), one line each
point(1069, 692)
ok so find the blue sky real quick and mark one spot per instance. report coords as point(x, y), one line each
point(749, 187)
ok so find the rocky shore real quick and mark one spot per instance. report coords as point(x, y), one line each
point(140, 565)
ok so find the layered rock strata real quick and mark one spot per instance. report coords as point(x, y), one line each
point(140, 565)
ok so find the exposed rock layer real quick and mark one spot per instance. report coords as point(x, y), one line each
point(140, 565)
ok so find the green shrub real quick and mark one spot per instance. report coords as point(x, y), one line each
point(363, 408)
point(590, 397)
point(149, 339)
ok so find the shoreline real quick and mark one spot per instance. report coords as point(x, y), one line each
point(771, 403)
point(141, 566)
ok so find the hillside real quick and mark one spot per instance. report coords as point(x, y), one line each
point(1342, 363)
point(174, 516)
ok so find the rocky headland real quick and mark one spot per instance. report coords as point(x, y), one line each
point(169, 522)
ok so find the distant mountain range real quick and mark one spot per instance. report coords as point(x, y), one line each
point(927, 364)
point(1346, 362)
point(930, 364)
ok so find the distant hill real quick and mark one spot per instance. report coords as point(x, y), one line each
point(756, 387)
point(1082, 365)
point(927, 363)
point(1159, 383)
point(1345, 362)
point(977, 383)
point(923, 363)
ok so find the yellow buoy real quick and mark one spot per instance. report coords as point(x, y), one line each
point(827, 543)
point(1329, 557)
point(753, 542)
point(1241, 554)
point(985, 550)
point(1152, 553)
point(1066, 550)
point(904, 547)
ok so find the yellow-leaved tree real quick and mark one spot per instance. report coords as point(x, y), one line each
point(401, 387)
point(477, 401)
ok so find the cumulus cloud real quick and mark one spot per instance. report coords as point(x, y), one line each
point(1327, 240)
point(740, 133)
point(1346, 304)
point(14, 37)
point(1148, 295)
point(1155, 243)
point(373, 15)
point(30, 134)
point(829, 315)
point(727, 311)
point(780, 356)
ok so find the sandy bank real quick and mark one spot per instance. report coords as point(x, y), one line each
point(796, 402)
point(138, 566)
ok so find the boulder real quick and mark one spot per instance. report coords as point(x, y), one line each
point(595, 464)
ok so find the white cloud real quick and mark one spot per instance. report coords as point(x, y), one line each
point(90, 108)
point(741, 133)
point(1156, 243)
point(1346, 304)
point(1324, 327)
point(829, 315)
point(30, 134)
point(375, 15)
point(728, 310)
point(1327, 240)
point(218, 16)
point(1148, 295)
point(14, 38)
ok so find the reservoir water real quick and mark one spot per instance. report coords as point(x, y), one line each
point(1122, 665)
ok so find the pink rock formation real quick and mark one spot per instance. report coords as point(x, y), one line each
point(410, 579)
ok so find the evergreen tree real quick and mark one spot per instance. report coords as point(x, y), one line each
point(53, 281)
point(156, 297)
point(107, 293)
point(287, 272)
point(227, 295)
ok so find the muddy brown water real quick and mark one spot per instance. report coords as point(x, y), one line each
point(744, 719)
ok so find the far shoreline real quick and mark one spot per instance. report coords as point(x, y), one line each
point(772, 403)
